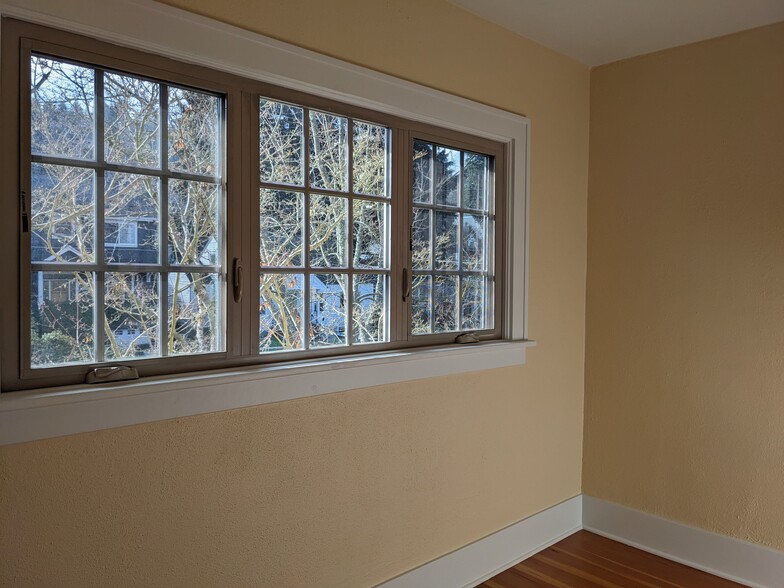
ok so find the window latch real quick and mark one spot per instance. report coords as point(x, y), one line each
point(25, 218)
point(466, 338)
point(406, 285)
point(111, 373)
point(237, 279)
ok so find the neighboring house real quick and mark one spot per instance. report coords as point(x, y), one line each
point(327, 308)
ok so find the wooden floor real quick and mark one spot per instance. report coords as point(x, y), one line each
point(585, 560)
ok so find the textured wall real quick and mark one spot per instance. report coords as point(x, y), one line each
point(353, 488)
point(685, 306)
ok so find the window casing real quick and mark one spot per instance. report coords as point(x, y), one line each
point(237, 265)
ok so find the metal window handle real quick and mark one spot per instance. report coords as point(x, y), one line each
point(406, 285)
point(237, 279)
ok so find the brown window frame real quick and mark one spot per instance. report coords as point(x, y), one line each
point(241, 214)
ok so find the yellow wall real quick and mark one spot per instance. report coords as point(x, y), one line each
point(352, 488)
point(685, 305)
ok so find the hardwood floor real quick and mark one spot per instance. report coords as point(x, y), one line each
point(586, 560)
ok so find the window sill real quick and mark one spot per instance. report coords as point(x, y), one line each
point(52, 412)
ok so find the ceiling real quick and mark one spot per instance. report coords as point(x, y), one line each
point(601, 31)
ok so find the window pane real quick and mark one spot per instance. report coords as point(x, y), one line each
point(447, 176)
point(475, 168)
point(62, 214)
point(281, 143)
point(131, 225)
point(369, 305)
point(282, 220)
point(62, 109)
point(281, 300)
point(446, 240)
point(421, 254)
point(327, 312)
point(423, 169)
point(473, 307)
point(444, 304)
point(61, 318)
point(132, 121)
point(370, 159)
point(369, 234)
point(421, 307)
point(193, 223)
point(194, 132)
point(472, 253)
point(132, 315)
point(328, 151)
point(328, 239)
point(194, 323)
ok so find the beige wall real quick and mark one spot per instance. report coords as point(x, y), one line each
point(685, 305)
point(353, 488)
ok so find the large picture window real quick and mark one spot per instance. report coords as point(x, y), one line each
point(173, 218)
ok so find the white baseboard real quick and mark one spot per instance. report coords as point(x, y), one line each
point(727, 557)
point(754, 565)
point(483, 559)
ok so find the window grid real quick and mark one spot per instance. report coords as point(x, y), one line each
point(307, 270)
point(460, 274)
point(163, 269)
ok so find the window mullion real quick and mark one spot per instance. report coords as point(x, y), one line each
point(248, 139)
point(400, 233)
point(305, 329)
point(99, 315)
point(163, 247)
point(349, 331)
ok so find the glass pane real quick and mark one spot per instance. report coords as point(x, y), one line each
point(131, 225)
point(61, 318)
point(444, 304)
point(62, 214)
point(447, 176)
point(368, 307)
point(194, 132)
point(472, 303)
point(193, 223)
point(327, 312)
point(282, 220)
point(281, 143)
point(132, 121)
point(131, 311)
point(472, 253)
point(62, 109)
point(446, 240)
point(369, 234)
point(421, 290)
point(421, 254)
point(328, 240)
point(281, 300)
point(475, 168)
point(370, 159)
point(194, 322)
point(328, 151)
point(423, 169)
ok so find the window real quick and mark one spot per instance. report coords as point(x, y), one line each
point(176, 218)
point(105, 148)
point(123, 233)
point(325, 217)
point(451, 240)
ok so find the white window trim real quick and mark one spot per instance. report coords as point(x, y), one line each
point(160, 29)
point(121, 225)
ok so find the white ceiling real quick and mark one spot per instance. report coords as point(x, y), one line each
point(601, 31)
